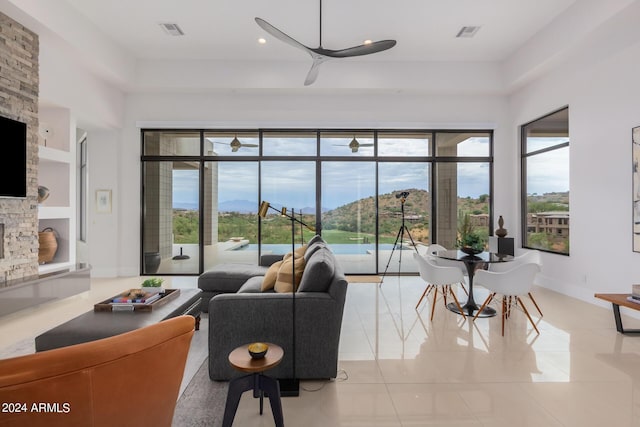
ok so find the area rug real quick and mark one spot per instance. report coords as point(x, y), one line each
point(364, 279)
point(202, 402)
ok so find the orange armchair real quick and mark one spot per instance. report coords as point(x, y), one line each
point(132, 379)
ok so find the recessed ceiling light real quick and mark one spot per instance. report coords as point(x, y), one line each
point(367, 41)
point(468, 31)
point(262, 41)
point(171, 28)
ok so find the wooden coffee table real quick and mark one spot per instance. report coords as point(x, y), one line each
point(95, 325)
point(241, 360)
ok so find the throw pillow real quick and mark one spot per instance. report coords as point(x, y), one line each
point(269, 280)
point(315, 239)
point(318, 272)
point(299, 253)
point(284, 281)
point(311, 249)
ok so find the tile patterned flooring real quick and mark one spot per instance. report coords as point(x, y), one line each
point(397, 368)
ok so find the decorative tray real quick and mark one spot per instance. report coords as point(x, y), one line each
point(108, 305)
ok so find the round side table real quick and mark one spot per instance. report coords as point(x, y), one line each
point(241, 360)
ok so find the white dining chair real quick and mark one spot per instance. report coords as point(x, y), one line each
point(433, 249)
point(437, 279)
point(532, 256)
point(511, 284)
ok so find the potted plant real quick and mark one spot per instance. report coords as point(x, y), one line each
point(469, 241)
point(153, 284)
point(471, 244)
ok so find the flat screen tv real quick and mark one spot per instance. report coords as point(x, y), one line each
point(13, 152)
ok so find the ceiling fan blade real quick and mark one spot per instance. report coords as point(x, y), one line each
point(249, 145)
point(363, 49)
point(280, 35)
point(313, 72)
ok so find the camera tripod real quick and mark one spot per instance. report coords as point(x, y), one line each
point(399, 237)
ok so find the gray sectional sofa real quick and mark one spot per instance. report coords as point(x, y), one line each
point(239, 313)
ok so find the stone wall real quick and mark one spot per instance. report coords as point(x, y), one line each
point(19, 79)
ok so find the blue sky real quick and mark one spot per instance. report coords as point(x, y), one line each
point(292, 184)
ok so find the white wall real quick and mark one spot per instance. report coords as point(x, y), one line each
point(600, 85)
point(68, 81)
point(302, 109)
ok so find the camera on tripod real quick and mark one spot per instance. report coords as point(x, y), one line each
point(403, 195)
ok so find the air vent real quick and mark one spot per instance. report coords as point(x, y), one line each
point(171, 29)
point(468, 31)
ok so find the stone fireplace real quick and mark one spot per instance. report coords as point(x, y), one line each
point(19, 78)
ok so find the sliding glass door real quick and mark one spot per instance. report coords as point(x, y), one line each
point(376, 196)
point(348, 213)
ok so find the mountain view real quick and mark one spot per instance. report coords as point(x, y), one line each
point(347, 223)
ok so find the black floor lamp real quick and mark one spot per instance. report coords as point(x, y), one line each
point(289, 387)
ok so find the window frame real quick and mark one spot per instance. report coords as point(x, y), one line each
point(431, 159)
point(524, 155)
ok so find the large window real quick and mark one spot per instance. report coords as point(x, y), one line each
point(202, 188)
point(545, 183)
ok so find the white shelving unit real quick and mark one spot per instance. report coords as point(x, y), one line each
point(56, 171)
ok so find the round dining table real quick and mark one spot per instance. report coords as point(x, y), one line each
point(472, 263)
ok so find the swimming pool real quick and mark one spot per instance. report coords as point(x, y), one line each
point(336, 248)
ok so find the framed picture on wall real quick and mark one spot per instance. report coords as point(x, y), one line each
point(636, 187)
point(103, 201)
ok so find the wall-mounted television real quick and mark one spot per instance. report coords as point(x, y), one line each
point(13, 152)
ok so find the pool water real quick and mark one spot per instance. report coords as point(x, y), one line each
point(336, 248)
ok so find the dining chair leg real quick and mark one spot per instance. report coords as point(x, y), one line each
point(444, 293)
point(425, 293)
point(527, 313)
point(535, 303)
point(455, 299)
point(464, 289)
point(433, 306)
point(484, 304)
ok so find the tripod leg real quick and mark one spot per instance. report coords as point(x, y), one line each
point(411, 238)
point(390, 256)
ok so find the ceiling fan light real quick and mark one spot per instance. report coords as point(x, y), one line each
point(367, 41)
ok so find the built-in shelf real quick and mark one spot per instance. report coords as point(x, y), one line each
point(54, 212)
point(48, 154)
point(56, 172)
point(54, 266)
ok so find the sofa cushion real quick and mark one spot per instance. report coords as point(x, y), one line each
point(318, 272)
point(311, 249)
point(229, 277)
point(314, 239)
point(269, 280)
point(284, 281)
point(252, 285)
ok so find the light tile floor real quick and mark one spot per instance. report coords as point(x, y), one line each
point(397, 368)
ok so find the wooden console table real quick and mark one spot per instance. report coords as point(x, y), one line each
point(618, 300)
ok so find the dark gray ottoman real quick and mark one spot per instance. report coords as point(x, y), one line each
point(95, 325)
point(226, 278)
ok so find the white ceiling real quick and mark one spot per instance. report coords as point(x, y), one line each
point(519, 40)
point(225, 29)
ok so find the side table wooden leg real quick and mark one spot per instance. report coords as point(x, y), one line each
point(272, 388)
point(237, 386)
point(197, 322)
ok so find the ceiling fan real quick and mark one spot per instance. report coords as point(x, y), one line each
point(354, 145)
point(320, 54)
point(235, 144)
